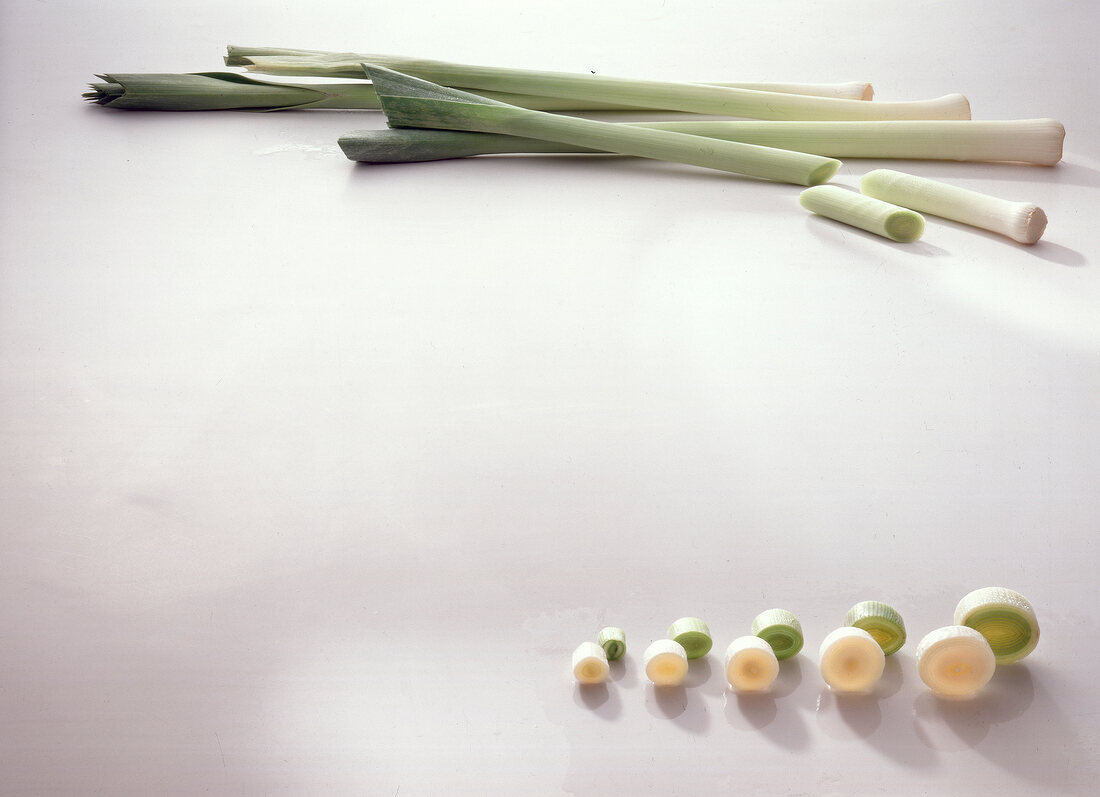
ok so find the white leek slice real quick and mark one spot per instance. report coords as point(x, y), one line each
point(1004, 617)
point(881, 621)
point(851, 660)
point(751, 665)
point(666, 662)
point(780, 629)
point(613, 641)
point(693, 634)
point(1020, 221)
point(873, 215)
point(590, 663)
point(955, 661)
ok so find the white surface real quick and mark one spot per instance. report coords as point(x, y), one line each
point(314, 475)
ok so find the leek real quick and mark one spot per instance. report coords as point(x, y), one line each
point(780, 629)
point(1004, 617)
point(873, 215)
point(851, 660)
point(955, 661)
point(693, 634)
point(686, 97)
point(410, 102)
point(1035, 141)
point(321, 63)
point(751, 664)
point(881, 621)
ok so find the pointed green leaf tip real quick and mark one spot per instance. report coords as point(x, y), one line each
point(397, 84)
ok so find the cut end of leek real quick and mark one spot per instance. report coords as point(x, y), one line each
point(590, 664)
point(751, 664)
point(824, 173)
point(865, 212)
point(780, 629)
point(1004, 617)
point(666, 662)
point(851, 660)
point(693, 634)
point(613, 642)
point(955, 661)
point(881, 621)
point(904, 226)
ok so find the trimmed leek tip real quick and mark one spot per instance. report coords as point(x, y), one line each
point(955, 661)
point(1024, 222)
point(613, 642)
point(1004, 617)
point(851, 660)
point(751, 664)
point(666, 662)
point(873, 215)
point(780, 629)
point(693, 634)
point(881, 621)
point(590, 664)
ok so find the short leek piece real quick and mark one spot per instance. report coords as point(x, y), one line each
point(955, 661)
point(1004, 617)
point(613, 642)
point(780, 629)
point(1020, 221)
point(411, 102)
point(687, 97)
point(666, 662)
point(590, 663)
point(751, 664)
point(693, 634)
point(873, 215)
point(1036, 141)
point(881, 621)
point(851, 660)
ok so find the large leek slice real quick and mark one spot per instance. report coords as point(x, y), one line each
point(851, 660)
point(751, 664)
point(411, 102)
point(881, 621)
point(666, 662)
point(1037, 141)
point(1004, 617)
point(687, 97)
point(955, 661)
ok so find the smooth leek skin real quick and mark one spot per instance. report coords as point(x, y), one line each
point(1024, 222)
point(321, 63)
point(411, 102)
point(663, 95)
point(1004, 617)
point(220, 91)
point(881, 621)
point(1035, 141)
point(873, 215)
point(780, 629)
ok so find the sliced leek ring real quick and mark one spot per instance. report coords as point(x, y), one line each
point(666, 662)
point(780, 629)
point(590, 663)
point(613, 642)
point(751, 664)
point(955, 661)
point(1004, 617)
point(693, 634)
point(851, 660)
point(881, 621)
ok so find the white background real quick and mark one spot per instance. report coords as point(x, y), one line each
point(312, 475)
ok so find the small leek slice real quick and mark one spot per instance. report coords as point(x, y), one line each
point(1004, 617)
point(780, 629)
point(1021, 221)
point(613, 642)
point(411, 102)
point(662, 95)
point(1037, 141)
point(693, 634)
point(873, 215)
point(851, 660)
point(955, 661)
point(590, 663)
point(881, 621)
point(666, 662)
point(751, 664)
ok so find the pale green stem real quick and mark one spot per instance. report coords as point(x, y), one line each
point(873, 215)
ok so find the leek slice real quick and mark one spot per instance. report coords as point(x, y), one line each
point(613, 642)
point(751, 664)
point(955, 661)
point(590, 663)
point(669, 96)
point(411, 102)
point(851, 660)
point(1004, 617)
point(666, 662)
point(873, 215)
point(1036, 141)
point(693, 634)
point(881, 621)
point(780, 629)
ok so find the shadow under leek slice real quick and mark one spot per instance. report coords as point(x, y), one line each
point(222, 91)
point(410, 102)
